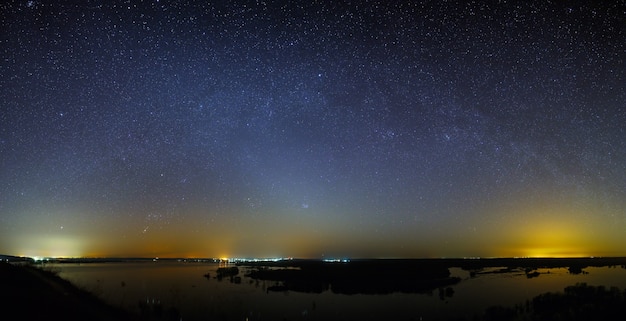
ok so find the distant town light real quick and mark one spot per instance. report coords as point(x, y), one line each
point(337, 260)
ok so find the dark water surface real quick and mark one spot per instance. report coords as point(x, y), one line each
point(181, 290)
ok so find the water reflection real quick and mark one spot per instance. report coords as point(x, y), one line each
point(577, 302)
point(193, 291)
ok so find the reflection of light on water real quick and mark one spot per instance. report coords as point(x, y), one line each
point(459, 273)
point(169, 281)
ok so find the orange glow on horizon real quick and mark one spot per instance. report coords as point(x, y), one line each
point(543, 229)
point(553, 230)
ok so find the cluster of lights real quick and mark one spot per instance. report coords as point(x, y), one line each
point(337, 260)
point(248, 260)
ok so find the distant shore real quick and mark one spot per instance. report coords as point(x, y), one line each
point(386, 276)
point(466, 263)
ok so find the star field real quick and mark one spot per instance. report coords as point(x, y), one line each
point(271, 128)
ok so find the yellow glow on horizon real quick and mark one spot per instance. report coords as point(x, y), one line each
point(555, 252)
point(525, 227)
point(554, 230)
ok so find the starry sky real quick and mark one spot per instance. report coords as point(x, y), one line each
point(312, 129)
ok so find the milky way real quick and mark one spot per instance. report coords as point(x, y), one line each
point(373, 128)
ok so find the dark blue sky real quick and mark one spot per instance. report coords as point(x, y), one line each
point(328, 128)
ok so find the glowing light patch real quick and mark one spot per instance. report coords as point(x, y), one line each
point(52, 246)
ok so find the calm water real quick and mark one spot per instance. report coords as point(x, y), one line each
point(182, 285)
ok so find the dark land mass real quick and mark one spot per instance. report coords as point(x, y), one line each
point(580, 302)
point(399, 275)
point(466, 264)
point(355, 277)
point(15, 259)
point(463, 263)
point(31, 293)
point(535, 263)
point(576, 302)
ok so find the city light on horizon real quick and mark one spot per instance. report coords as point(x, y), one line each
point(323, 130)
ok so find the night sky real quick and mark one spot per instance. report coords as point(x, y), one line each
point(317, 129)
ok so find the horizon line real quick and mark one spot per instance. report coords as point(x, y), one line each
point(338, 259)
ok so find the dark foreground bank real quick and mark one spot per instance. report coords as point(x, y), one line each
point(30, 293)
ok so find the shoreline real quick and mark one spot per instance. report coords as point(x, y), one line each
point(445, 262)
point(33, 294)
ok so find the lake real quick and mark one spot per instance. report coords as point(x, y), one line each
point(180, 290)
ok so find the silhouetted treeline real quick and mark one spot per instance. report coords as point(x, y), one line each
point(15, 259)
point(400, 275)
point(466, 264)
point(365, 277)
point(230, 272)
point(581, 302)
point(575, 264)
point(576, 302)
